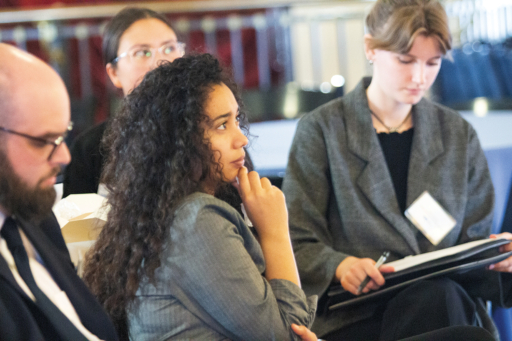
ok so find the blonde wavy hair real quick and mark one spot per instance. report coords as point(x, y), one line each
point(395, 24)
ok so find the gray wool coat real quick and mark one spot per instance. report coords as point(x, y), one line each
point(342, 202)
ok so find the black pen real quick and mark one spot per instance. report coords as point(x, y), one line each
point(381, 261)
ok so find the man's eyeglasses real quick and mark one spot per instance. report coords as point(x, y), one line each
point(42, 141)
point(144, 55)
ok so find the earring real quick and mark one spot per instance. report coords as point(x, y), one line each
point(370, 61)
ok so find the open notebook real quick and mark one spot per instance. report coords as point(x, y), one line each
point(457, 259)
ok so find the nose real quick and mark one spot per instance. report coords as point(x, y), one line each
point(418, 75)
point(61, 155)
point(154, 61)
point(240, 140)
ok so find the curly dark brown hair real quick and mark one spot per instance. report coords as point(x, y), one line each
point(157, 155)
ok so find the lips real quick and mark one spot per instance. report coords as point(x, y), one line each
point(51, 178)
point(415, 91)
point(239, 162)
point(50, 181)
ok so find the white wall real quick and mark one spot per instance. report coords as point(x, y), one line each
point(327, 40)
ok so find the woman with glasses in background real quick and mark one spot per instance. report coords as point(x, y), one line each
point(135, 40)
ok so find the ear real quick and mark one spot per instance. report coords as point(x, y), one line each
point(370, 53)
point(112, 74)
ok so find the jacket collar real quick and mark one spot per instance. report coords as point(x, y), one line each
point(375, 179)
point(5, 271)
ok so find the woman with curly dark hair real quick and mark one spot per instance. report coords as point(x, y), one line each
point(174, 261)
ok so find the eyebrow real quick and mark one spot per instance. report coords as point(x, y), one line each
point(221, 117)
point(52, 135)
point(412, 56)
point(149, 45)
point(49, 136)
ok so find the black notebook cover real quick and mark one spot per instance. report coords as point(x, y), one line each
point(470, 259)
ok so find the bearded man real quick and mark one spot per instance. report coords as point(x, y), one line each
point(41, 297)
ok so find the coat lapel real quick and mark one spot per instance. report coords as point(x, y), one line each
point(53, 262)
point(6, 273)
point(88, 309)
point(427, 145)
point(375, 181)
point(59, 268)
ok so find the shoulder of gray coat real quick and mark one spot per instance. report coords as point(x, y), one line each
point(452, 118)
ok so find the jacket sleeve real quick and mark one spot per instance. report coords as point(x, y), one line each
point(307, 187)
point(489, 285)
point(219, 277)
point(480, 193)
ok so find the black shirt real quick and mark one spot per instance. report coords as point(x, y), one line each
point(83, 173)
point(397, 151)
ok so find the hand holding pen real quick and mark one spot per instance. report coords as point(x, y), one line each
point(352, 271)
point(381, 261)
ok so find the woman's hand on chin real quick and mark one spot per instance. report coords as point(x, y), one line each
point(266, 208)
point(265, 204)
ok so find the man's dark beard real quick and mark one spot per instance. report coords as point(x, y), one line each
point(32, 204)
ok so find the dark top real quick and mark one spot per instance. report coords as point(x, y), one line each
point(397, 151)
point(82, 175)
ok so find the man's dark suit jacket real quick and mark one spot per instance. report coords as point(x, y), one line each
point(19, 316)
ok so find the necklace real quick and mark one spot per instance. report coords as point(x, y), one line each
point(392, 129)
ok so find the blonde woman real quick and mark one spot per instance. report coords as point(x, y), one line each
point(358, 162)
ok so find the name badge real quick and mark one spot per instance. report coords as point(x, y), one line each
point(430, 218)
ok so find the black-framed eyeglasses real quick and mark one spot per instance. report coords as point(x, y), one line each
point(55, 142)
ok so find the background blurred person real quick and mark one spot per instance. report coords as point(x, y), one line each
point(135, 40)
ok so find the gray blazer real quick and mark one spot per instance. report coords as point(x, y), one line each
point(210, 284)
point(341, 198)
